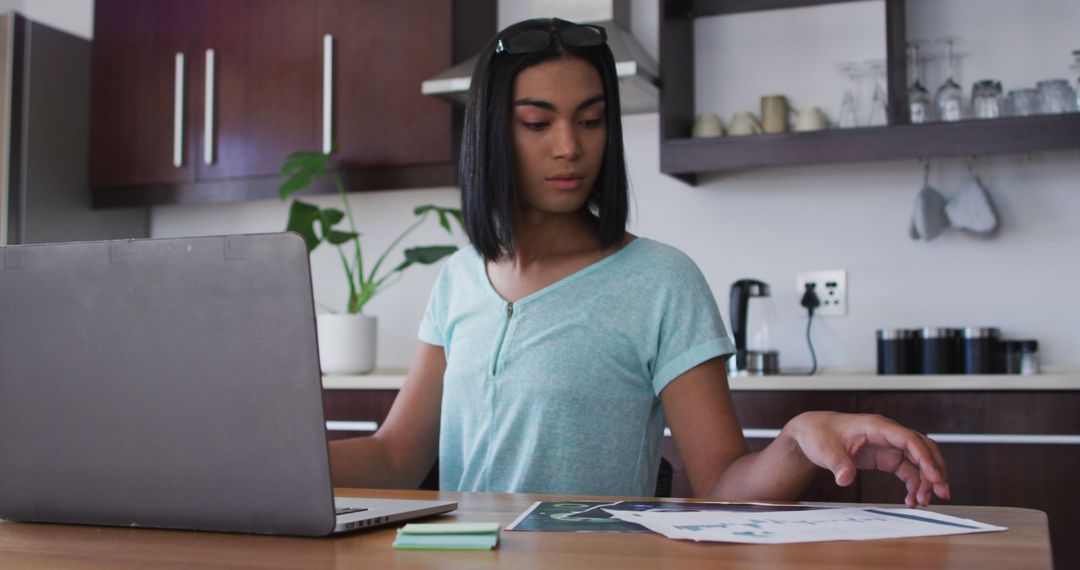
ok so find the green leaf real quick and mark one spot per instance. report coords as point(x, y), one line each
point(331, 216)
point(421, 210)
point(300, 170)
point(302, 217)
point(328, 217)
point(457, 215)
point(337, 238)
point(425, 255)
point(294, 184)
point(443, 221)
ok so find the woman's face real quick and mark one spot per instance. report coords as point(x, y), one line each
point(559, 134)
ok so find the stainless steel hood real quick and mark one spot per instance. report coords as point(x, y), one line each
point(637, 71)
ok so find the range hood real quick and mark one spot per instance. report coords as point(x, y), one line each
point(637, 71)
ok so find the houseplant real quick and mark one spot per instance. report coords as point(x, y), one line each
point(347, 341)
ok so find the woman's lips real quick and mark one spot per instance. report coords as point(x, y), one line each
point(565, 182)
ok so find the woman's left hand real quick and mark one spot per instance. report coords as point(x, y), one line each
point(843, 443)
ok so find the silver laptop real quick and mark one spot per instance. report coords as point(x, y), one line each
point(169, 383)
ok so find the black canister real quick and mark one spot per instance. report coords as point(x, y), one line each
point(1010, 356)
point(937, 351)
point(980, 346)
point(896, 351)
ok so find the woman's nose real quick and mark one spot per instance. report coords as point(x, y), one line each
point(566, 143)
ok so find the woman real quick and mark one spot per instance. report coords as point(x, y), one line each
point(555, 349)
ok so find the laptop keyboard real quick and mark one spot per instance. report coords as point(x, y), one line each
point(347, 510)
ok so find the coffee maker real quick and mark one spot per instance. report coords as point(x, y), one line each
point(753, 353)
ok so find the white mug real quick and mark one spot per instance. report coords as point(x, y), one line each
point(810, 119)
point(743, 123)
point(708, 125)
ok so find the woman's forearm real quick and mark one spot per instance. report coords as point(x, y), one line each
point(779, 472)
point(368, 462)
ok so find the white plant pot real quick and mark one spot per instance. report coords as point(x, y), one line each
point(346, 343)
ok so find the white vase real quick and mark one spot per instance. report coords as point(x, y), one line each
point(346, 343)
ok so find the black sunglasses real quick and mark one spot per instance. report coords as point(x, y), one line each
point(530, 41)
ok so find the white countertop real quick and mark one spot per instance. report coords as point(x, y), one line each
point(392, 379)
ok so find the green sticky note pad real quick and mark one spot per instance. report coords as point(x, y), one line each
point(446, 541)
point(448, 536)
point(450, 528)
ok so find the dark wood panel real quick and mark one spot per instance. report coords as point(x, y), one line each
point(964, 138)
point(771, 409)
point(896, 57)
point(982, 412)
point(260, 187)
point(720, 7)
point(358, 405)
point(132, 93)
point(383, 51)
point(1039, 477)
point(268, 83)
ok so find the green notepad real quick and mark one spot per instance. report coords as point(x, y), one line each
point(448, 536)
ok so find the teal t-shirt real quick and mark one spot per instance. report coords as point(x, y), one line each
point(558, 392)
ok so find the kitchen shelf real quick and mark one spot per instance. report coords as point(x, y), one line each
point(686, 158)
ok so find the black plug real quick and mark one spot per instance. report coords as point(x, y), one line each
point(810, 299)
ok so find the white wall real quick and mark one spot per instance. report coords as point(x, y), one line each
point(771, 223)
point(72, 16)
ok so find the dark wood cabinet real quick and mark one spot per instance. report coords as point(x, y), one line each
point(996, 473)
point(264, 95)
point(137, 51)
point(382, 52)
point(264, 88)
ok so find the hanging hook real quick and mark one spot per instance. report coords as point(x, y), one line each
point(971, 169)
point(926, 172)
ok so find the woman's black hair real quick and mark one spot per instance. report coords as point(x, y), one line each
point(486, 170)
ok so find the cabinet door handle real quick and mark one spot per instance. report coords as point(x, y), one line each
point(178, 113)
point(328, 94)
point(208, 119)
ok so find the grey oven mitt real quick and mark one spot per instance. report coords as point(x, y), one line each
point(928, 219)
point(972, 210)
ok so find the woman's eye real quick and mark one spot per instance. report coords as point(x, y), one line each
point(591, 123)
point(537, 126)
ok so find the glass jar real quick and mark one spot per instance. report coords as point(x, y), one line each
point(1075, 67)
point(1055, 96)
point(986, 99)
point(1022, 103)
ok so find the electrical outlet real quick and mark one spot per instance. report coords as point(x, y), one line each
point(831, 288)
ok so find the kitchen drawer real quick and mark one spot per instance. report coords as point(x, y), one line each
point(359, 406)
point(1031, 413)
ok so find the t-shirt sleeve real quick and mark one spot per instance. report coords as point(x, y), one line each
point(433, 323)
point(691, 328)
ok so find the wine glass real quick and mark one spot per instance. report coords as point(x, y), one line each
point(848, 116)
point(878, 116)
point(950, 96)
point(1075, 67)
point(920, 103)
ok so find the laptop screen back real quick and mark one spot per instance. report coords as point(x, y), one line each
point(163, 383)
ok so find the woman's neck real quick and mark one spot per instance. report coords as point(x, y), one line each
point(540, 236)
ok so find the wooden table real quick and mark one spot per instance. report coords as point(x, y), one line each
point(1025, 545)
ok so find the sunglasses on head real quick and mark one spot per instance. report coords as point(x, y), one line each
point(530, 41)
